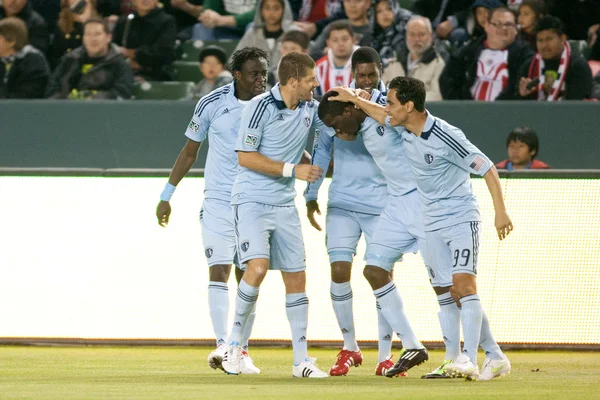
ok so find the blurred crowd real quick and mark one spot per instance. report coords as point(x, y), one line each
point(484, 50)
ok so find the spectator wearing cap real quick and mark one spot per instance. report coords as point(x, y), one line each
point(555, 73)
point(480, 14)
point(212, 60)
point(530, 12)
point(37, 28)
point(523, 146)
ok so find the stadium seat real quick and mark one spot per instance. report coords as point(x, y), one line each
point(186, 71)
point(162, 90)
point(190, 49)
point(580, 47)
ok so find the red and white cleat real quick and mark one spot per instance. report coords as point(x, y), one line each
point(383, 367)
point(345, 360)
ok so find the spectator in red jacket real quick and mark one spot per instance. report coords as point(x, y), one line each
point(523, 146)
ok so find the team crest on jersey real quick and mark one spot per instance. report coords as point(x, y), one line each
point(307, 121)
point(245, 246)
point(428, 158)
point(251, 140)
point(194, 127)
point(208, 252)
point(380, 130)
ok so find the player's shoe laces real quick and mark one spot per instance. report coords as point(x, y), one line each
point(383, 367)
point(345, 360)
point(247, 365)
point(308, 369)
point(410, 358)
point(215, 358)
point(463, 366)
point(232, 359)
point(494, 369)
point(440, 372)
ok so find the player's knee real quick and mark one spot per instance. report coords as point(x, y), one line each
point(341, 271)
point(258, 268)
point(464, 284)
point(377, 277)
point(220, 273)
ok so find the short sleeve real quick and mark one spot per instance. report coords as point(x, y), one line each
point(197, 129)
point(460, 151)
point(254, 118)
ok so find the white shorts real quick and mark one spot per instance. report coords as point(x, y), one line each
point(454, 249)
point(343, 232)
point(272, 232)
point(218, 235)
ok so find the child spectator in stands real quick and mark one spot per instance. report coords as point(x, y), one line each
point(291, 41)
point(523, 146)
point(147, 40)
point(69, 29)
point(335, 68)
point(530, 12)
point(224, 19)
point(212, 65)
point(555, 73)
point(480, 14)
point(36, 26)
point(23, 69)
point(388, 24)
point(96, 70)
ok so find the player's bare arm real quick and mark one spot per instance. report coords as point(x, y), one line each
point(502, 221)
point(258, 162)
point(187, 157)
point(374, 110)
point(312, 206)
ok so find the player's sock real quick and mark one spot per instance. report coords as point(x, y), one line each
point(341, 298)
point(248, 328)
point(244, 304)
point(385, 332)
point(218, 304)
point(471, 316)
point(487, 341)
point(391, 308)
point(449, 316)
point(296, 309)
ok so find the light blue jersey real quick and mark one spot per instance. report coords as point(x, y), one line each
point(381, 88)
point(442, 159)
point(278, 133)
point(217, 116)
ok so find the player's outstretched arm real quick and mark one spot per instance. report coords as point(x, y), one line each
point(503, 223)
point(374, 110)
point(260, 163)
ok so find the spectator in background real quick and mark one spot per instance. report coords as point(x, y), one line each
point(312, 16)
point(272, 19)
point(388, 23)
point(523, 146)
point(594, 43)
point(530, 12)
point(212, 65)
point(448, 18)
point(23, 69)
point(335, 68)
point(356, 12)
point(559, 73)
point(479, 17)
point(514, 5)
point(421, 60)
point(69, 29)
point(291, 41)
point(224, 19)
point(186, 13)
point(36, 26)
point(146, 38)
point(96, 70)
point(487, 69)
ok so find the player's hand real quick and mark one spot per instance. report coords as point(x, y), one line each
point(312, 207)
point(163, 211)
point(344, 94)
point(523, 91)
point(363, 93)
point(307, 172)
point(503, 225)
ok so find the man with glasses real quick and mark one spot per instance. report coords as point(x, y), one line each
point(488, 69)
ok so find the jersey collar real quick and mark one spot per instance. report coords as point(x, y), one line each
point(276, 94)
point(429, 125)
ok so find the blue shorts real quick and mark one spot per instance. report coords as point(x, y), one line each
point(218, 235)
point(343, 232)
point(271, 232)
point(454, 249)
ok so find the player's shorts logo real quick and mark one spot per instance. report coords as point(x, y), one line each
point(245, 246)
point(380, 130)
point(208, 252)
point(194, 127)
point(428, 158)
point(251, 140)
point(307, 121)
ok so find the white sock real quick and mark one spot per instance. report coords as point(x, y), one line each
point(449, 316)
point(391, 308)
point(296, 309)
point(244, 304)
point(341, 298)
point(487, 341)
point(385, 332)
point(218, 305)
point(248, 328)
point(471, 316)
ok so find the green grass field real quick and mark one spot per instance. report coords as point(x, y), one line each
point(182, 373)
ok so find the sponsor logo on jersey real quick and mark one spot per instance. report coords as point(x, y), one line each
point(251, 140)
point(194, 127)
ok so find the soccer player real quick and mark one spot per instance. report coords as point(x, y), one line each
point(442, 159)
point(272, 137)
point(217, 116)
point(357, 195)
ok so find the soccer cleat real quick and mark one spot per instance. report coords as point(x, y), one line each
point(383, 367)
point(215, 358)
point(308, 369)
point(440, 372)
point(463, 366)
point(247, 365)
point(410, 358)
point(345, 360)
point(232, 359)
point(494, 369)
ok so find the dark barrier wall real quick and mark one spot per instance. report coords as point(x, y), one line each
point(145, 134)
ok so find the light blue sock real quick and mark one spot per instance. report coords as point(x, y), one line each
point(248, 328)
point(296, 309)
point(218, 306)
point(385, 333)
point(449, 316)
point(341, 299)
point(393, 311)
point(471, 316)
point(487, 341)
point(244, 304)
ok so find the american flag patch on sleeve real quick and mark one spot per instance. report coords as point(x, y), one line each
point(477, 163)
